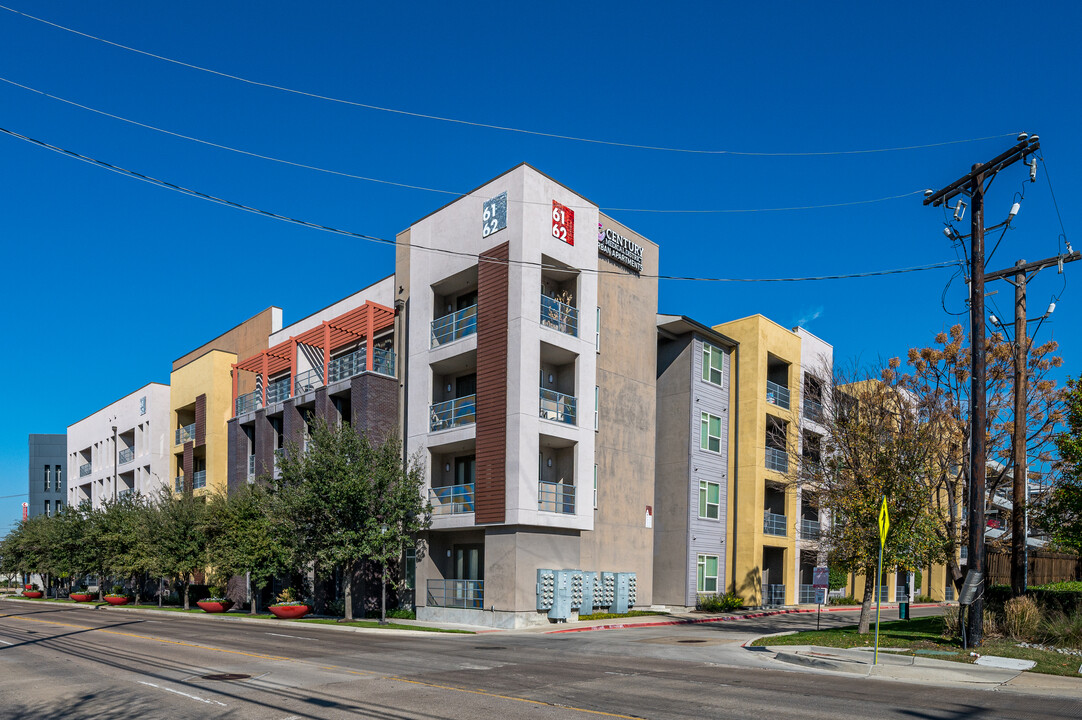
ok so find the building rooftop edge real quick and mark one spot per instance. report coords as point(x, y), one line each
point(695, 326)
point(316, 312)
point(220, 335)
point(114, 402)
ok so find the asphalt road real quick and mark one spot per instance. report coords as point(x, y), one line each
point(59, 662)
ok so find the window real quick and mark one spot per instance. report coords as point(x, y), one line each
point(48, 483)
point(709, 499)
point(597, 328)
point(710, 433)
point(707, 580)
point(59, 479)
point(46, 508)
point(597, 400)
point(712, 363)
point(143, 405)
point(410, 568)
point(59, 505)
point(595, 487)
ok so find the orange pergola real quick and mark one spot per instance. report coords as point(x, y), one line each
point(361, 323)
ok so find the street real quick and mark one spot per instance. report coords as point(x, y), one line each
point(79, 663)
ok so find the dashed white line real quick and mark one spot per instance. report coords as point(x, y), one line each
point(6, 642)
point(295, 637)
point(178, 692)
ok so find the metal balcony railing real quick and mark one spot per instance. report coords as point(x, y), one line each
point(344, 367)
point(558, 407)
point(383, 361)
point(306, 381)
point(813, 409)
point(178, 483)
point(468, 594)
point(183, 434)
point(125, 456)
point(199, 479)
point(884, 593)
point(278, 390)
point(556, 497)
point(809, 529)
point(453, 413)
point(777, 460)
point(558, 316)
point(451, 499)
point(248, 402)
point(773, 524)
point(455, 326)
point(125, 493)
point(84, 469)
point(773, 595)
point(777, 394)
point(807, 594)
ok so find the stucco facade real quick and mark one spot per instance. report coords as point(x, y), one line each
point(47, 489)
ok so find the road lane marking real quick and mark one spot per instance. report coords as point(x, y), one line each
point(178, 692)
point(6, 642)
point(295, 637)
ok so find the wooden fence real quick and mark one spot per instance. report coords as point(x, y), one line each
point(1044, 567)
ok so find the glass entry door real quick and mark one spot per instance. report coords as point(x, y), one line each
point(469, 576)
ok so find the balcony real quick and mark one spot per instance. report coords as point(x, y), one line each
point(383, 361)
point(813, 410)
point(809, 529)
point(251, 467)
point(777, 460)
point(278, 390)
point(557, 407)
point(773, 595)
point(306, 382)
point(199, 479)
point(183, 434)
point(807, 595)
point(558, 316)
point(355, 363)
point(777, 394)
point(84, 470)
point(773, 524)
point(454, 326)
point(467, 594)
point(248, 402)
point(125, 493)
point(451, 499)
point(126, 456)
point(453, 413)
point(556, 497)
point(178, 483)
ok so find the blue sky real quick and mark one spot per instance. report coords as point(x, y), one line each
point(109, 279)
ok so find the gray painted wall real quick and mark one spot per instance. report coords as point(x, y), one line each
point(51, 450)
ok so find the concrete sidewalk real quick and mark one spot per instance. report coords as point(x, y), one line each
point(925, 670)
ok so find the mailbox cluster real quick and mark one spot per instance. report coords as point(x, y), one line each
point(561, 591)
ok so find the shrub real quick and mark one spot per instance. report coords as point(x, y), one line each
point(337, 608)
point(1049, 599)
point(396, 613)
point(1021, 618)
point(837, 578)
point(950, 621)
point(844, 600)
point(289, 597)
point(1062, 630)
point(993, 626)
point(924, 599)
point(1066, 585)
point(718, 603)
point(117, 590)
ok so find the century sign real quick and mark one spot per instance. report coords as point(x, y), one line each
point(613, 245)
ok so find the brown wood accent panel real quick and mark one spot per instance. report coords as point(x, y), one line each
point(490, 488)
point(188, 464)
point(201, 419)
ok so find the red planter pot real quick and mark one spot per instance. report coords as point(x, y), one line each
point(33, 593)
point(81, 597)
point(116, 600)
point(214, 607)
point(289, 612)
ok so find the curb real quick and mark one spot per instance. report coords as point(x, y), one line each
point(724, 618)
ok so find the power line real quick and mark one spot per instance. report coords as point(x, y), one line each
point(446, 251)
point(491, 126)
point(429, 189)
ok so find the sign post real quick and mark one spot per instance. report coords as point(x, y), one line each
point(820, 581)
point(884, 528)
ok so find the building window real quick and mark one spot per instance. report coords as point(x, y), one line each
point(597, 400)
point(143, 405)
point(59, 505)
point(409, 570)
point(59, 479)
point(707, 579)
point(595, 487)
point(597, 331)
point(712, 363)
point(48, 483)
point(709, 499)
point(46, 508)
point(710, 433)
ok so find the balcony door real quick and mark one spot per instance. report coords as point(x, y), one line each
point(469, 576)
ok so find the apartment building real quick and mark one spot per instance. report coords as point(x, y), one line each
point(122, 448)
point(201, 403)
point(773, 519)
point(695, 397)
point(337, 364)
point(529, 348)
point(47, 487)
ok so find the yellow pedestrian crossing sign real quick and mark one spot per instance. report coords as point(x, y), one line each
point(884, 523)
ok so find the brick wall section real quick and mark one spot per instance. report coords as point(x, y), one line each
point(237, 462)
point(323, 407)
point(201, 420)
point(264, 444)
point(188, 463)
point(492, 386)
point(292, 424)
point(374, 400)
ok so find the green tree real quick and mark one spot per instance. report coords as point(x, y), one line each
point(244, 538)
point(177, 532)
point(1061, 513)
point(122, 532)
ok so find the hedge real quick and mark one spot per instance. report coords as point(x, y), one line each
point(1068, 602)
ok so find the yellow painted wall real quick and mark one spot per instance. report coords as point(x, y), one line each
point(759, 337)
point(209, 374)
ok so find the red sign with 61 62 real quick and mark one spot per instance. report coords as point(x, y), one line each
point(563, 223)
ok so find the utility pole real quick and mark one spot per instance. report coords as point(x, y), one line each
point(973, 184)
point(1022, 272)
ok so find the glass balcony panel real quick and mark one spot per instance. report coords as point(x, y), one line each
point(556, 497)
point(807, 594)
point(468, 594)
point(251, 466)
point(557, 407)
point(278, 390)
point(183, 434)
point(383, 361)
point(773, 524)
point(199, 479)
point(84, 469)
point(126, 455)
point(453, 413)
point(777, 394)
point(809, 529)
point(777, 460)
point(558, 316)
point(451, 499)
point(455, 326)
point(307, 381)
point(346, 366)
point(773, 595)
point(178, 483)
point(249, 402)
point(813, 410)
